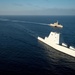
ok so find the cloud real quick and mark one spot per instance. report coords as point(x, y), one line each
point(47, 0)
point(50, 11)
point(17, 4)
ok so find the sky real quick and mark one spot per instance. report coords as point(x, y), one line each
point(37, 7)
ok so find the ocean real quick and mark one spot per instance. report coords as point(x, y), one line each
point(21, 53)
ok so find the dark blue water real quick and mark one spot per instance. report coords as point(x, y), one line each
point(22, 54)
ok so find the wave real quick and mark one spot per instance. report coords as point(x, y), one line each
point(4, 19)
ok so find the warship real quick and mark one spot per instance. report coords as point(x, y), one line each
point(55, 41)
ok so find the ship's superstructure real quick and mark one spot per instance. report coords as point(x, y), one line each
point(55, 40)
point(56, 25)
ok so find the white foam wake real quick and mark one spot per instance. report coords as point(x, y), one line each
point(1, 19)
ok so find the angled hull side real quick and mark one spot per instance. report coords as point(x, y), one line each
point(59, 47)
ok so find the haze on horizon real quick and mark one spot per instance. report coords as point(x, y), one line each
point(37, 7)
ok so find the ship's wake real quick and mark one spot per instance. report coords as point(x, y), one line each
point(26, 29)
point(23, 21)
